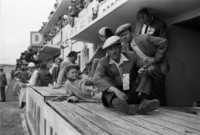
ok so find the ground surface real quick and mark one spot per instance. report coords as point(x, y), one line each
point(10, 120)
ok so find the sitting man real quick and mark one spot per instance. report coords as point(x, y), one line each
point(116, 76)
point(79, 88)
point(151, 50)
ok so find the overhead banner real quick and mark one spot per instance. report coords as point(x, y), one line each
point(36, 39)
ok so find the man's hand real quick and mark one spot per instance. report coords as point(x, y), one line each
point(150, 60)
point(118, 93)
point(143, 70)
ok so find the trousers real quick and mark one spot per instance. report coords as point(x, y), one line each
point(3, 94)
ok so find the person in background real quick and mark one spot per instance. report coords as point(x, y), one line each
point(55, 70)
point(150, 24)
point(33, 69)
point(44, 77)
point(12, 74)
point(152, 50)
point(72, 57)
point(105, 33)
point(116, 75)
point(3, 83)
point(16, 87)
point(23, 77)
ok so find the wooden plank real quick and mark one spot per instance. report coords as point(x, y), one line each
point(173, 126)
point(177, 121)
point(55, 124)
point(144, 126)
point(84, 126)
point(179, 116)
point(111, 128)
point(41, 90)
point(180, 112)
point(150, 118)
point(47, 91)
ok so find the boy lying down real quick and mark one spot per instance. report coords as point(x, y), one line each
point(80, 88)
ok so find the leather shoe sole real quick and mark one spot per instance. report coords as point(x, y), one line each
point(148, 106)
point(123, 106)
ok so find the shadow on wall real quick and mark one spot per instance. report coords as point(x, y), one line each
point(182, 83)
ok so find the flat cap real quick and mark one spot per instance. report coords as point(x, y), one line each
point(111, 41)
point(72, 66)
point(122, 28)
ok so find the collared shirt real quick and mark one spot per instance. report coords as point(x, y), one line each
point(138, 51)
point(144, 29)
point(147, 29)
point(121, 61)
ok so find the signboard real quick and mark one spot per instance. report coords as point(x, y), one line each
point(79, 26)
point(37, 39)
point(109, 6)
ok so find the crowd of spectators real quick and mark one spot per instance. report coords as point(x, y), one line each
point(31, 73)
point(72, 13)
point(29, 55)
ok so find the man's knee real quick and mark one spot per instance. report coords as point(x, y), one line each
point(154, 71)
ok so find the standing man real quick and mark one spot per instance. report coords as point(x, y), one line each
point(3, 83)
point(72, 57)
point(149, 24)
point(116, 75)
point(152, 50)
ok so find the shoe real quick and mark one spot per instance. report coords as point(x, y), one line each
point(148, 106)
point(122, 106)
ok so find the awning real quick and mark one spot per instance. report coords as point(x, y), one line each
point(48, 51)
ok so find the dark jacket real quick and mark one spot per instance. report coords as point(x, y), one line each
point(3, 81)
point(55, 72)
point(107, 75)
point(159, 26)
point(155, 47)
point(44, 78)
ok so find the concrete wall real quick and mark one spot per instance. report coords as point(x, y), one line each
point(183, 81)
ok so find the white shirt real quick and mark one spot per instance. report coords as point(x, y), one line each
point(33, 78)
point(121, 61)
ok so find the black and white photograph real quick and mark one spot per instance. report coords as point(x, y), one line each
point(100, 67)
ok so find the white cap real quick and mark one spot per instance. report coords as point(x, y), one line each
point(122, 28)
point(111, 41)
point(31, 64)
point(65, 16)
